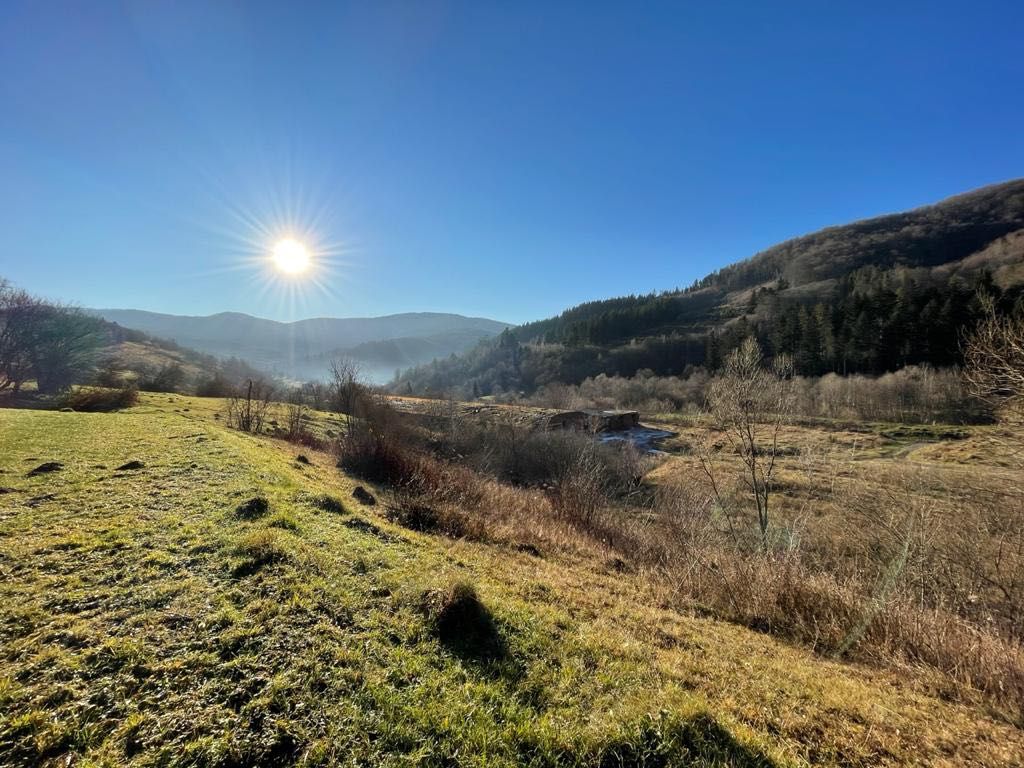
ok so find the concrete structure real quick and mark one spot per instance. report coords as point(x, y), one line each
point(594, 420)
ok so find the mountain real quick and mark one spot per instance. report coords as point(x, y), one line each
point(303, 349)
point(867, 297)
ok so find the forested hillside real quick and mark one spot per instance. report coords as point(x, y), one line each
point(868, 297)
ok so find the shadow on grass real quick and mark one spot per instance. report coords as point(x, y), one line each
point(665, 740)
point(465, 626)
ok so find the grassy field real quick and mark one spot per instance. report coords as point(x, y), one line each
point(153, 617)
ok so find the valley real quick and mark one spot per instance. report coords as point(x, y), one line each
point(145, 619)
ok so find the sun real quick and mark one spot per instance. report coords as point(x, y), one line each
point(290, 256)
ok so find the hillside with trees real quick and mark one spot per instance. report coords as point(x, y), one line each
point(868, 297)
point(50, 347)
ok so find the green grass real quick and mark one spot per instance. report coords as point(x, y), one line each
point(143, 622)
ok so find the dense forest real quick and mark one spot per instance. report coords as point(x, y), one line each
point(869, 297)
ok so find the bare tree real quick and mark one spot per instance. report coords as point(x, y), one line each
point(295, 422)
point(346, 386)
point(55, 345)
point(296, 413)
point(65, 345)
point(18, 315)
point(994, 363)
point(750, 401)
point(314, 394)
point(248, 410)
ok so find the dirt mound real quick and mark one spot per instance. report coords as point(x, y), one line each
point(328, 504)
point(363, 496)
point(253, 509)
point(47, 467)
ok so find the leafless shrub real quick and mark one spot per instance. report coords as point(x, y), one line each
point(110, 376)
point(579, 489)
point(346, 389)
point(314, 394)
point(914, 394)
point(248, 410)
point(750, 402)
point(994, 363)
point(374, 446)
point(99, 398)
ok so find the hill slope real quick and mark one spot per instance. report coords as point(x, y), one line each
point(145, 621)
point(869, 296)
point(303, 348)
point(128, 355)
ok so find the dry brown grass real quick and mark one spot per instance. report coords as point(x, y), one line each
point(893, 562)
point(869, 555)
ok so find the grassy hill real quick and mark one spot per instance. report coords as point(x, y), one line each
point(870, 296)
point(128, 355)
point(151, 616)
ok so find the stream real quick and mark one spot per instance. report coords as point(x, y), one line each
point(644, 438)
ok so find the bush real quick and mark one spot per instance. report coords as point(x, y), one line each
point(99, 399)
point(248, 409)
point(539, 458)
point(375, 447)
point(169, 377)
point(216, 385)
point(296, 419)
point(414, 514)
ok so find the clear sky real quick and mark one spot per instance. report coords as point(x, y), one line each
point(505, 159)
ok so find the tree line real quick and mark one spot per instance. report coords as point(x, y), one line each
point(55, 346)
point(870, 321)
point(51, 344)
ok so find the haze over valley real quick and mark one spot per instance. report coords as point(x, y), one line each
point(303, 349)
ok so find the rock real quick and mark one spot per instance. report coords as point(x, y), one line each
point(130, 465)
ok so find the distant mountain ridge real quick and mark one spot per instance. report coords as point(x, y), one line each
point(303, 348)
point(869, 296)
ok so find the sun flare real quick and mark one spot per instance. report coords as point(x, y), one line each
point(291, 257)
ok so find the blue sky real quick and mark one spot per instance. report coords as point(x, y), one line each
point(500, 159)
